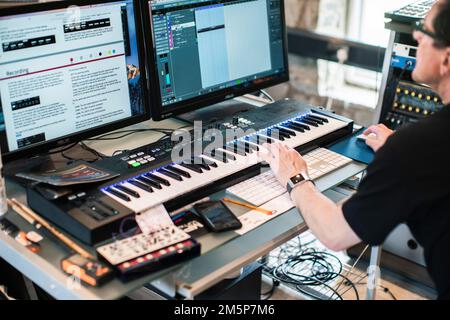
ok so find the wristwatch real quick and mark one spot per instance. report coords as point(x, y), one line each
point(297, 180)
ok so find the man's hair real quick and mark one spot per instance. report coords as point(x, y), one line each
point(442, 24)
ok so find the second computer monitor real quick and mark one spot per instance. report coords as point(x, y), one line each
point(208, 51)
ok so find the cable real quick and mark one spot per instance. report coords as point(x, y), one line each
point(126, 133)
point(303, 267)
point(268, 96)
point(267, 295)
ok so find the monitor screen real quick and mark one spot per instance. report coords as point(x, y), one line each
point(207, 51)
point(68, 70)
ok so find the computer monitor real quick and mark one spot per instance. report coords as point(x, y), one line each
point(69, 70)
point(207, 51)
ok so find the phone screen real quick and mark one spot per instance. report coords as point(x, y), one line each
point(218, 215)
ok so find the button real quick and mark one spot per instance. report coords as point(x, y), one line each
point(140, 154)
point(143, 161)
point(133, 156)
point(136, 165)
point(126, 158)
point(71, 198)
point(131, 162)
point(149, 257)
point(81, 194)
point(147, 157)
point(140, 159)
point(140, 260)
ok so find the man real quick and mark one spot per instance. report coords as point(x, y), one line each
point(409, 180)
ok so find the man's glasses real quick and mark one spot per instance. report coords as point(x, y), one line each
point(420, 26)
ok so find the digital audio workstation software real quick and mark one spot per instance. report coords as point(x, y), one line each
point(65, 71)
point(205, 46)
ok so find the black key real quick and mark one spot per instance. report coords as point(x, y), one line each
point(157, 179)
point(225, 155)
point(192, 167)
point(179, 171)
point(150, 182)
point(235, 148)
point(218, 155)
point(266, 140)
point(319, 118)
point(251, 146)
point(118, 194)
point(170, 174)
point(244, 146)
point(282, 133)
point(311, 123)
point(314, 120)
point(229, 156)
point(296, 127)
point(141, 185)
point(301, 125)
point(277, 134)
point(127, 190)
point(287, 131)
point(259, 140)
point(204, 164)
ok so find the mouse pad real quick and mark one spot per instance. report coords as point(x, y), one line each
point(353, 148)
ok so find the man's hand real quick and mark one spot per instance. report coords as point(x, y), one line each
point(378, 136)
point(284, 161)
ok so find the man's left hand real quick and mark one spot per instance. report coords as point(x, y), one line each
point(284, 161)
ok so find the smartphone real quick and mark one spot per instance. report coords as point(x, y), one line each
point(217, 217)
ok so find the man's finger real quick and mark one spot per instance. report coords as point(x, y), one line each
point(372, 129)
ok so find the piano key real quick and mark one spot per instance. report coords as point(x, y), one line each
point(296, 127)
point(170, 174)
point(126, 190)
point(192, 167)
point(323, 119)
point(149, 182)
point(301, 125)
point(241, 148)
point(311, 123)
point(287, 131)
point(157, 179)
point(204, 164)
point(234, 149)
point(276, 134)
point(178, 171)
point(314, 120)
point(249, 145)
point(141, 185)
point(118, 194)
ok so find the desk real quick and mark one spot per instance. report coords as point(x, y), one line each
point(191, 277)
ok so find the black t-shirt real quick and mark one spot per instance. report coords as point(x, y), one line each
point(409, 182)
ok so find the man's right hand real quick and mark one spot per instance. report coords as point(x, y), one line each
point(378, 136)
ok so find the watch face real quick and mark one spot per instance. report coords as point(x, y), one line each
point(297, 179)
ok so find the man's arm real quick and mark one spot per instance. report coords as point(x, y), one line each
point(324, 218)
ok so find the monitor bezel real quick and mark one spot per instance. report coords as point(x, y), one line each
point(44, 147)
point(160, 112)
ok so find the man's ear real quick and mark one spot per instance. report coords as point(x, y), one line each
point(445, 66)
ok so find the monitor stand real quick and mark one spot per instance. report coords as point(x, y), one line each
point(220, 111)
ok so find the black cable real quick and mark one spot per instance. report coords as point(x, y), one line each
point(267, 295)
point(125, 133)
